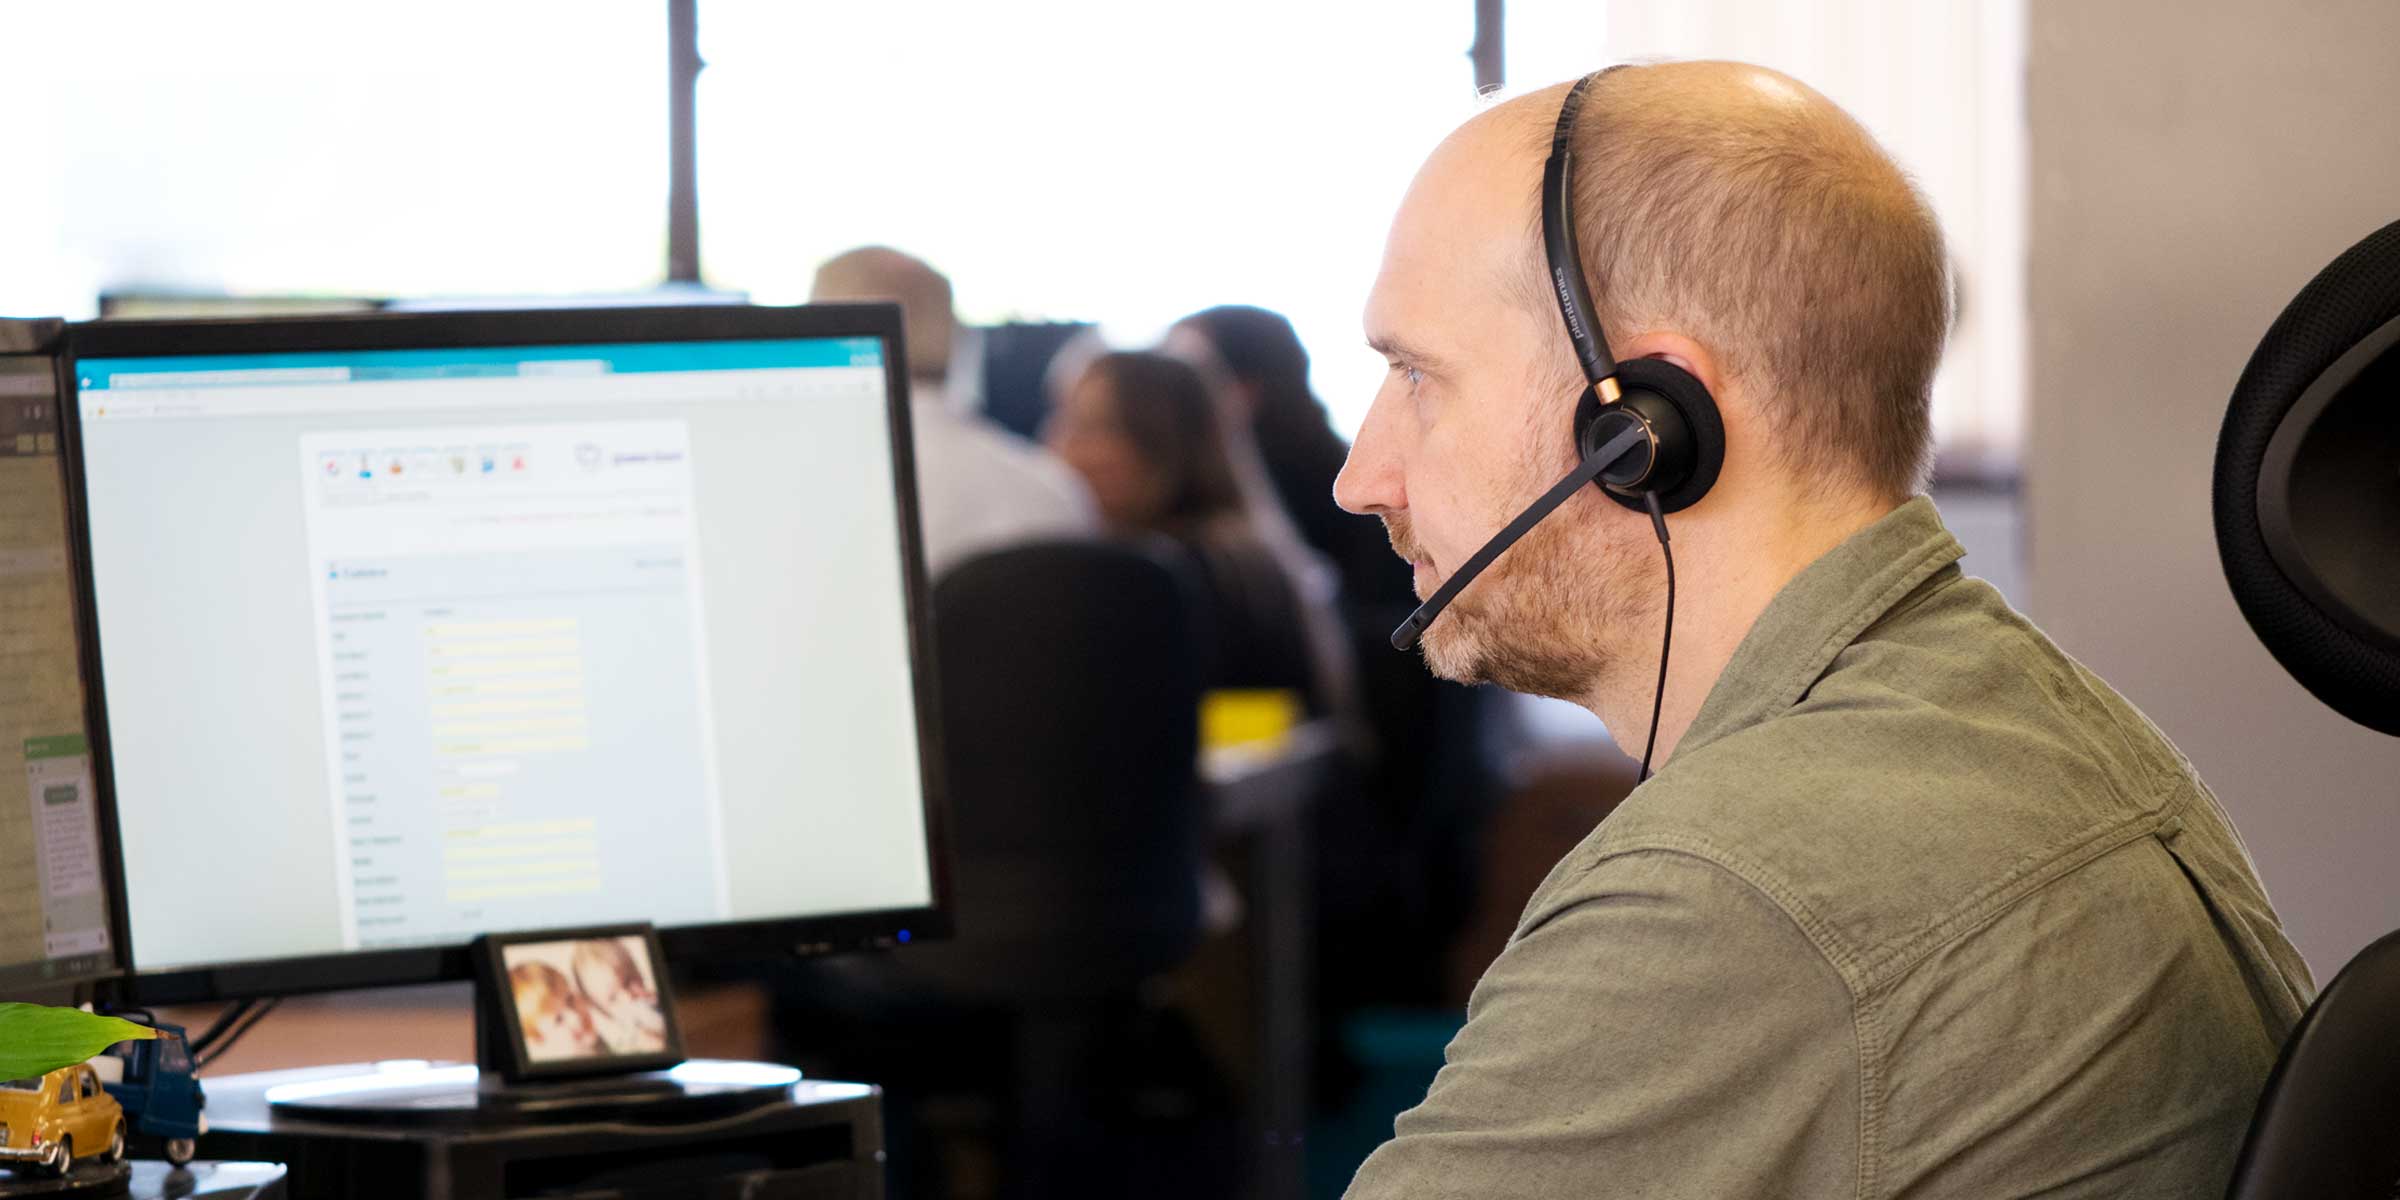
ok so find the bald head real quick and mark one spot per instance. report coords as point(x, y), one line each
point(882, 273)
point(1731, 221)
point(1739, 207)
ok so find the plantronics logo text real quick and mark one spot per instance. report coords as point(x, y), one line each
point(1566, 303)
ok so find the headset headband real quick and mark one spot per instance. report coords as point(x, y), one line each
point(1558, 246)
point(1678, 420)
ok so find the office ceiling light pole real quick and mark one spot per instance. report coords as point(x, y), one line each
point(683, 170)
point(1488, 53)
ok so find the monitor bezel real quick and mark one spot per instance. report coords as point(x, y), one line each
point(718, 942)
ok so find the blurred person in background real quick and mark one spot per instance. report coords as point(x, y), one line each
point(1144, 431)
point(1297, 445)
point(979, 488)
point(1398, 852)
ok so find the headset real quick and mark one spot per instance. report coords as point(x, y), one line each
point(1647, 431)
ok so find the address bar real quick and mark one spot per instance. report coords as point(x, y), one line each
point(514, 391)
point(234, 378)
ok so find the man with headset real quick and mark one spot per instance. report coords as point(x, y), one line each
point(1914, 905)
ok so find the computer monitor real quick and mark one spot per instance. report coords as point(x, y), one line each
point(416, 627)
point(55, 924)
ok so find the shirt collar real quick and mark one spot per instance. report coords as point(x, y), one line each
point(1818, 614)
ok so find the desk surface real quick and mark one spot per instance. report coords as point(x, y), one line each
point(207, 1181)
point(1255, 784)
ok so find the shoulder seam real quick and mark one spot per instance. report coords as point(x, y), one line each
point(2028, 876)
point(1866, 1031)
point(1819, 932)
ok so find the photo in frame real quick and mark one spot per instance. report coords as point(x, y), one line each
point(567, 1002)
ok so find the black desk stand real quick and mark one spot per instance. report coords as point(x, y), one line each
point(453, 1131)
point(422, 1130)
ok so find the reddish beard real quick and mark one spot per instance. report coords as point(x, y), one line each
point(1538, 620)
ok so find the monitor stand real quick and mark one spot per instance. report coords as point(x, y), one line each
point(426, 1131)
point(429, 1130)
point(461, 1095)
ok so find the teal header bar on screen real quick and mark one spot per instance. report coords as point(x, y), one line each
point(360, 366)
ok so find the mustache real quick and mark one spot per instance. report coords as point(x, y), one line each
point(1403, 537)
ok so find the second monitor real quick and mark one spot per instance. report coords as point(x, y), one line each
point(415, 628)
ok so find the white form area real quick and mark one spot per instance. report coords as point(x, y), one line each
point(513, 663)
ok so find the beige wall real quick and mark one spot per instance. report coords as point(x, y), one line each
point(2193, 163)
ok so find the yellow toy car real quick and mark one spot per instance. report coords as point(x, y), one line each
point(48, 1123)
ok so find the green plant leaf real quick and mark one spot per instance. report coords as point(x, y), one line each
point(36, 1039)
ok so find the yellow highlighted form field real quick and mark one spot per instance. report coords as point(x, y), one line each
point(571, 723)
point(485, 629)
point(480, 668)
point(543, 887)
point(508, 706)
point(496, 647)
point(560, 848)
point(564, 866)
point(518, 829)
point(524, 745)
point(534, 686)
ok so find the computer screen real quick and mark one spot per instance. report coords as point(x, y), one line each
point(404, 644)
point(54, 916)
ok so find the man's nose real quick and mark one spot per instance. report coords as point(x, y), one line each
point(1370, 482)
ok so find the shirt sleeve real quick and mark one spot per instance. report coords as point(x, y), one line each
point(1658, 1028)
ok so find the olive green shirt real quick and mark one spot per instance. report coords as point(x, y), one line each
point(1918, 908)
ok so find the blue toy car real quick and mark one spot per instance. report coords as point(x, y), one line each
point(160, 1095)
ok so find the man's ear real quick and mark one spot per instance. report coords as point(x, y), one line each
point(1682, 351)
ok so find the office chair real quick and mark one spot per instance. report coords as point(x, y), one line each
point(1070, 685)
point(1069, 679)
point(2328, 1123)
point(2305, 513)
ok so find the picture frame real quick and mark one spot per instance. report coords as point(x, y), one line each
point(566, 1003)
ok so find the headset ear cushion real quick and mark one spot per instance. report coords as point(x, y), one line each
point(1647, 382)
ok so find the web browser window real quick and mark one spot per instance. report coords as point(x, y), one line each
point(474, 584)
point(453, 641)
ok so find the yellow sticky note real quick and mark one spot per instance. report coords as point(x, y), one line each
point(1248, 716)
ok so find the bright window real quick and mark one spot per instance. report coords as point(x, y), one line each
point(438, 147)
point(1068, 159)
point(1083, 159)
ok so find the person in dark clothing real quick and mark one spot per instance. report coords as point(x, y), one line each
point(1399, 851)
point(1143, 430)
point(1299, 448)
